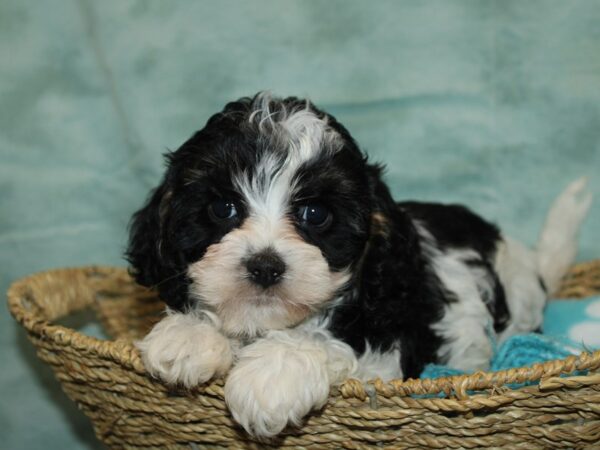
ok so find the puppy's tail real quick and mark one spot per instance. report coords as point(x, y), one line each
point(557, 245)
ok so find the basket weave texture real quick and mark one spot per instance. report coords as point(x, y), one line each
point(558, 407)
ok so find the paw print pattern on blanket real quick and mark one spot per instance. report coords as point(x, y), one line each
point(588, 331)
point(576, 320)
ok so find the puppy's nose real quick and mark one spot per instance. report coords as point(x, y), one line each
point(265, 268)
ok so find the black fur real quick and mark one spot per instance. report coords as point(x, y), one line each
point(394, 296)
point(454, 226)
point(387, 308)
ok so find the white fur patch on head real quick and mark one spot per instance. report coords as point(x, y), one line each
point(288, 138)
point(297, 125)
point(220, 281)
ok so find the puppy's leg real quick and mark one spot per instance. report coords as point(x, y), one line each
point(282, 377)
point(186, 349)
point(467, 344)
point(465, 326)
point(525, 295)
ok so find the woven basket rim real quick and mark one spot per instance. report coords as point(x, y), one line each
point(33, 319)
point(36, 320)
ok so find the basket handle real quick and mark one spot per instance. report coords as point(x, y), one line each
point(51, 295)
point(40, 299)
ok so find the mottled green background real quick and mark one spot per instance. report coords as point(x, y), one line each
point(495, 104)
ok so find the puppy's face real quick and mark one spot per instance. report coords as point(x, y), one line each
point(263, 215)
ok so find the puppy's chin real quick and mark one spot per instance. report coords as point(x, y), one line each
point(220, 283)
point(252, 315)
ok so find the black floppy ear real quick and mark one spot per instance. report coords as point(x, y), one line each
point(395, 287)
point(392, 257)
point(387, 280)
point(380, 196)
point(152, 261)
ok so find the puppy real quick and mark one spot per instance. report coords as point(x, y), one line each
point(286, 264)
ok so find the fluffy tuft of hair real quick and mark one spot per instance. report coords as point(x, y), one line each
point(186, 349)
point(557, 244)
point(280, 378)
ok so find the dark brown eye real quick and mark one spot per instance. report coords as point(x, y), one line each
point(222, 209)
point(315, 215)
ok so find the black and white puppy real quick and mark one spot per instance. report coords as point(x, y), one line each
point(286, 264)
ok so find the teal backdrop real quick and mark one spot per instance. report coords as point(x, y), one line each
point(494, 104)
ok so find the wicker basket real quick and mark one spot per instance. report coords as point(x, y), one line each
point(129, 409)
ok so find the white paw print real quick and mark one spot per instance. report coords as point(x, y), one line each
point(588, 332)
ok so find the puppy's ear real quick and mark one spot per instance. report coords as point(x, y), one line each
point(381, 199)
point(392, 255)
point(152, 261)
point(394, 299)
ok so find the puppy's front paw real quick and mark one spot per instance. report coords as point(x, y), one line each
point(276, 383)
point(184, 349)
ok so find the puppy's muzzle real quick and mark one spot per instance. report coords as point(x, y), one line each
point(265, 268)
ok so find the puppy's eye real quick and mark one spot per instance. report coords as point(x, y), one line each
point(222, 210)
point(316, 215)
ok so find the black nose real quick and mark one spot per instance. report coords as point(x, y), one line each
point(265, 268)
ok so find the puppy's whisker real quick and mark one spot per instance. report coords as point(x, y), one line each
point(155, 286)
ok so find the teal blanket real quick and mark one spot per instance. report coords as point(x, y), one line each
point(494, 104)
point(570, 327)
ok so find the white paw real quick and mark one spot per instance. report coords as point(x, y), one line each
point(184, 349)
point(276, 382)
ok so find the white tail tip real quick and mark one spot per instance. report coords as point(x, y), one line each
point(557, 245)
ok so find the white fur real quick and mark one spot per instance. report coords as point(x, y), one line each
point(467, 346)
point(467, 322)
point(297, 136)
point(186, 349)
point(518, 267)
point(557, 245)
point(282, 377)
point(220, 281)
point(517, 270)
point(376, 364)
